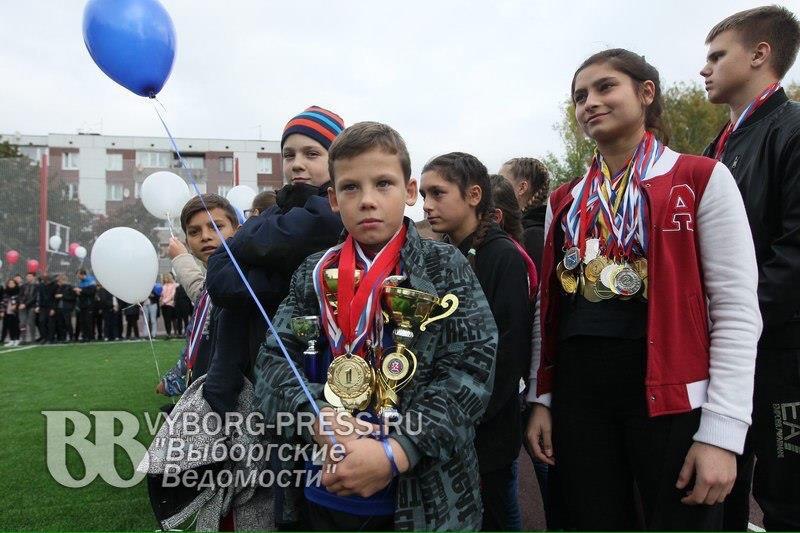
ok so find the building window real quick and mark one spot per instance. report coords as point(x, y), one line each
point(72, 191)
point(69, 161)
point(114, 192)
point(114, 162)
point(223, 190)
point(153, 159)
point(194, 162)
point(264, 165)
point(226, 164)
point(34, 153)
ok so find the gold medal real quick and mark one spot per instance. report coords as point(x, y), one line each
point(640, 267)
point(603, 292)
point(331, 397)
point(594, 268)
point(350, 378)
point(607, 274)
point(590, 292)
point(569, 282)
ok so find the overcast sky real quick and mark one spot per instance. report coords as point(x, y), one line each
point(482, 77)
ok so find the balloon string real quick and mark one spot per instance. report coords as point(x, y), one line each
point(169, 223)
point(239, 270)
point(152, 347)
point(150, 336)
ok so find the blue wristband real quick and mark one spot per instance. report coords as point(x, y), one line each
point(390, 455)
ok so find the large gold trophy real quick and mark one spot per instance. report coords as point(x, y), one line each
point(408, 309)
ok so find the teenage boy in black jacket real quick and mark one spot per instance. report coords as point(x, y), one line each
point(749, 52)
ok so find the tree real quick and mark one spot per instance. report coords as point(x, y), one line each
point(19, 206)
point(133, 216)
point(691, 120)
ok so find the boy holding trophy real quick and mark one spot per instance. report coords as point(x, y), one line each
point(405, 333)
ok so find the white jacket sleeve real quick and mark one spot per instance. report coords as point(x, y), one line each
point(190, 274)
point(536, 339)
point(730, 274)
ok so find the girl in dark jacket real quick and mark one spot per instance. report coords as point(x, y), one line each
point(458, 203)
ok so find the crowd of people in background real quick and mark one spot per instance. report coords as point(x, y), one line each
point(48, 308)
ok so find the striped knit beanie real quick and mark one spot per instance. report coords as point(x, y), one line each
point(317, 123)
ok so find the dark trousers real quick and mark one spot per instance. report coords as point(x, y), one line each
point(132, 326)
point(10, 328)
point(86, 324)
point(112, 325)
point(170, 318)
point(63, 324)
point(321, 518)
point(47, 325)
point(499, 496)
point(618, 466)
point(98, 324)
point(774, 442)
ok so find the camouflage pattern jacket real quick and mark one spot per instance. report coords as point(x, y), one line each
point(448, 395)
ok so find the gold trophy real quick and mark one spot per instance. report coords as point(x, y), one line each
point(331, 276)
point(408, 309)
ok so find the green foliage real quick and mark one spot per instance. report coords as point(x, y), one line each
point(691, 120)
point(133, 216)
point(19, 207)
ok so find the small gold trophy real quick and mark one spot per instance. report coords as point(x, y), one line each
point(331, 276)
point(408, 309)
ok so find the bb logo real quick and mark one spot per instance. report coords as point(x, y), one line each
point(97, 456)
point(680, 209)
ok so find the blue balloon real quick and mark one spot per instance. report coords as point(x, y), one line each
point(132, 41)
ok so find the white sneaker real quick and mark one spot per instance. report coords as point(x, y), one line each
point(16, 343)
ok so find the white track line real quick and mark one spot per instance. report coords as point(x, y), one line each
point(75, 344)
point(17, 349)
point(752, 527)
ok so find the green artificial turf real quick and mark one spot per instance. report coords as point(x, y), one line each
point(79, 377)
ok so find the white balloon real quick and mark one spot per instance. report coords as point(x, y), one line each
point(80, 252)
point(125, 263)
point(55, 242)
point(164, 194)
point(241, 197)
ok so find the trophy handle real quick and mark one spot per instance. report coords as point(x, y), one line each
point(448, 302)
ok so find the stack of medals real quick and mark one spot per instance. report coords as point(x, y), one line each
point(614, 208)
point(597, 278)
point(352, 318)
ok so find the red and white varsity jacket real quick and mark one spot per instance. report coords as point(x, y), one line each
point(703, 319)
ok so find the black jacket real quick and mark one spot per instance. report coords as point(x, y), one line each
point(68, 297)
point(503, 276)
point(47, 292)
point(763, 155)
point(86, 297)
point(533, 233)
point(268, 248)
point(29, 294)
